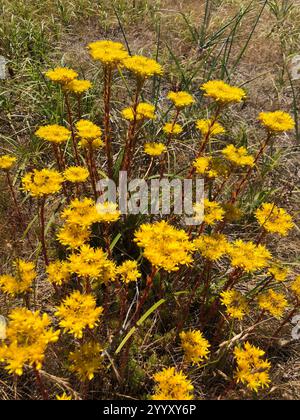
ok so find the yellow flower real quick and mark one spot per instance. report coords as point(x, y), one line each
point(295, 287)
point(86, 360)
point(248, 256)
point(143, 67)
point(78, 86)
point(277, 121)
point(108, 212)
point(181, 99)
point(279, 273)
point(129, 272)
point(76, 174)
point(41, 183)
point(87, 130)
point(238, 156)
point(61, 75)
point(7, 162)
point(212, 247)
point(206, 166)
point(81, 212)
point(109, 53)
point(73, 235)
point(213, 128)
point(213, 212)
point(223, 92)
point(195, 346)
point(171, 128)
point(58, 272)
point(92, 263)
point(143, 111)
point(274, 219)
point(53, 133)
point(273, 302)
point(252, 370)
point(164, 246)
point(63, 396)
point(155, 149)
point(236, 304)
point(172, 385)
point(22, 281)
point(78, 312)
point(28, 335)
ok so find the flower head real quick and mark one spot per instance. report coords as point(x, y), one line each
point(7, 162)
point(86, 360)
point(274, 219)
point(143, 67)
point(238, 156)
point(22, 281)
point(273, 302)
point(236, 304)
point(87, 130)
point(278, 272)
point(174, 129)
point(76, 174)
point(78, 312)
point(41, 183)
point(277, 121)
point(78, 86)
point(213, 128)
point(212, 247)
point(295, 287)
point(181, 99)
point(63, 397)
point(58, 272)
point(28, 335)
point(249, 256)
point(195, 346)
point(61, 75)
point(213, 212)
point(108, 212)
point(172, 385)
point(128, 271)
point(143, 111)
point(109, 53)
point(53, 133)
point(252, 370)
point(164, 246)
point(155, 149)
point(73, 235)
point(81, 212)
point(222, 92)
point(207, 166)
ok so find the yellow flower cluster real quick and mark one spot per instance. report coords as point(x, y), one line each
point(274, 219)
point(210, 127)
point(28, 335)
point(155, 149)
point(236, 304)
point(108, 212)
point(222, 92)
point(78, 86)
point(62, 75)
point(143, 111)
point(76, 174)
point(274, 303)
point(277, 121)
point(58, 272)
point(205, 165)
point(279, 273)
point(174, 129)
point(63, 397)
point(164, 246)
point(73, 235)
point(86, 360)
point(89, 134)
point(92, 263)
point(22, 281)
point(195, 346)
point(143, 67)
point(54, 133)
point(109, 53)
point(7, 162)
point(295, 287)
point(249, 256)
point(252, 370)
point(81, 212)
point(238, 156)
point(128, 271)
point(41, 183)
point(78, 312)
point(172, 385)
point(212, 247)
point(213, 212)
point(181, 99)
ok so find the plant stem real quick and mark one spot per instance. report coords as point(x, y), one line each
point(107, 139)
point(42, 227)
point(41, 385)
point(71, 123)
